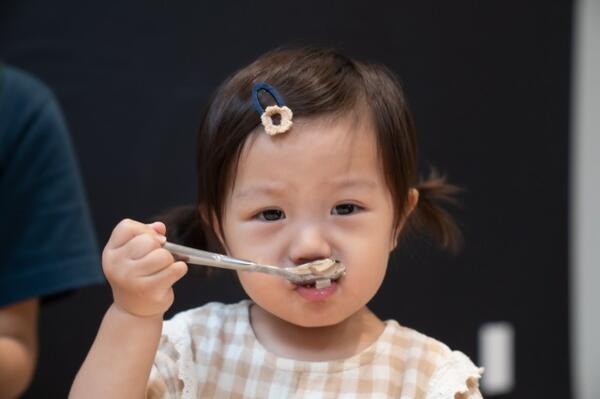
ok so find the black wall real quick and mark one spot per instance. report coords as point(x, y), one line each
point(489, 83)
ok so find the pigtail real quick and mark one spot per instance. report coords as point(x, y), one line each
point(431, 218)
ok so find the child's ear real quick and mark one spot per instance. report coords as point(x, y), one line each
point(413, 200)
point(411, 203)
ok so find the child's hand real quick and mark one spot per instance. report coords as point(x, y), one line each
point(140, 272)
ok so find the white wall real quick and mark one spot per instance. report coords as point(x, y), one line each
point(585, 202)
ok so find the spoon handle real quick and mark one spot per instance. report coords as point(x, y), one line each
point(205, 258)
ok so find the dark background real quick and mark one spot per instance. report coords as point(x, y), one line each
point(489, 83)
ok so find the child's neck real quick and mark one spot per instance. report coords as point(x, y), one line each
point(338, 341)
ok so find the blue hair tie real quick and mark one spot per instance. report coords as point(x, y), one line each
point(266, 115)
point(269, 89)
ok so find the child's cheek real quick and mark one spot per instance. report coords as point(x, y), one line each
point(264, 289)
point(253, 240)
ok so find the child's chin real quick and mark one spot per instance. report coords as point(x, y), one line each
point(314, 320)
point(317, 324)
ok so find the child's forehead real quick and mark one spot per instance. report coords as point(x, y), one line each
point(342, 128)
point(320, 140)
point(316, 151)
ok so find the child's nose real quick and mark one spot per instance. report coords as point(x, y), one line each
point(309, 244)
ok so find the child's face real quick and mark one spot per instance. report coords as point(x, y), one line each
point(314, 192)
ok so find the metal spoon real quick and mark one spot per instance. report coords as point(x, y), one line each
point(307, 273)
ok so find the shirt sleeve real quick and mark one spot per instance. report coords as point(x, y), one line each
point(456, 378)
point(47, 243)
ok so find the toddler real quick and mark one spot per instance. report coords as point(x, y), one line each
point(304, 154)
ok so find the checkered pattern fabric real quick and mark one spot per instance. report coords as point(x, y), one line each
point(212, 352)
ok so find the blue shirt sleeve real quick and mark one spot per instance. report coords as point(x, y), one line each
point(47, 243)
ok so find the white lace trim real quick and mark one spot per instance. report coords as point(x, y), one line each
point(177, 333)
point(456, 375)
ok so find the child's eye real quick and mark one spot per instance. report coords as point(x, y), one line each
point(345, 209)
point(271, 215)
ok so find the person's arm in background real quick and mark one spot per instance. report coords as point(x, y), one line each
point(47, 244)
point(18, 347)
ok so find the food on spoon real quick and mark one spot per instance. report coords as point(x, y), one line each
point(318, 267)
point(319, 273)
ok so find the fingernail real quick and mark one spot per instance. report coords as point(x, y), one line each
point(162, 239)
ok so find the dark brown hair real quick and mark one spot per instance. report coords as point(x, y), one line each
point(313, 82)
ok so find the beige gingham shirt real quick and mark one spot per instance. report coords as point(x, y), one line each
point(212, 352)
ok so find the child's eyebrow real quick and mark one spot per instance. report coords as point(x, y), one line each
point(259, 189)
point(354, 183)
point(274, 189)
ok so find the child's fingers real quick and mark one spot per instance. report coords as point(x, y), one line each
point(169, 275)
point(141, 245)
point(159, 227)
point(154, 262)
point(124, 231)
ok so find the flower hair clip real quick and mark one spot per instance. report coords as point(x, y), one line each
point(266, 115)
